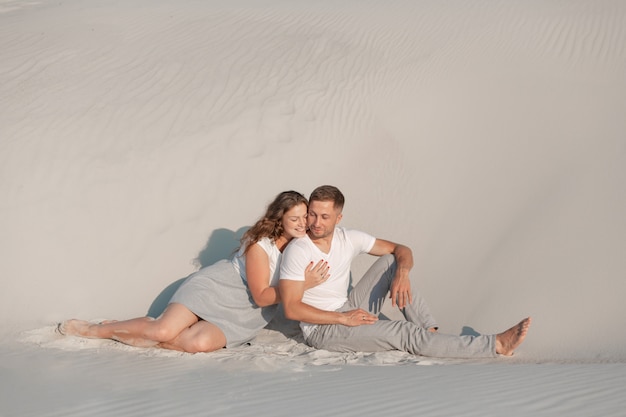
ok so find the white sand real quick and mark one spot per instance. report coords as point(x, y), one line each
point(139, 139)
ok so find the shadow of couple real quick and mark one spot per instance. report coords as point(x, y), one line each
point(222, 244)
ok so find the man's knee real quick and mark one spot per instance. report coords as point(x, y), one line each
point(389, 259)
point(386, 264)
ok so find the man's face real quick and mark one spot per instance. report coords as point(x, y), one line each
point(322, 219)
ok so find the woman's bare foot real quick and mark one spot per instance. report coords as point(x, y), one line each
point(509, 340)
point(90, 330)
point(75, 327)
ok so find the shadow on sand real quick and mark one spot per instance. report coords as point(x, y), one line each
point(222, 244)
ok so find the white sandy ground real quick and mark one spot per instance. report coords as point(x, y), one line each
point(138, 139)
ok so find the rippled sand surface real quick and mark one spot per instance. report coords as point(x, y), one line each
point(139, 139)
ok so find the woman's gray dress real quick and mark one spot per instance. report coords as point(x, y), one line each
point(219, 294)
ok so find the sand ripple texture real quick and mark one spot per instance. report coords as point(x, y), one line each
point(101, 379)
point(139, 139)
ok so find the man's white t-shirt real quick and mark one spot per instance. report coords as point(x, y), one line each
point(333, 293)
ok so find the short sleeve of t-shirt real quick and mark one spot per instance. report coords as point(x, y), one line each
point(362, 242)
point(273, 254)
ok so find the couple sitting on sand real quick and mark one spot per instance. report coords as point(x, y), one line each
point(297, 255)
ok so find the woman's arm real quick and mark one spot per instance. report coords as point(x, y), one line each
point(258, 276)
point(316, 274)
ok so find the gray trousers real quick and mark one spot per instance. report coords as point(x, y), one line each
point(410, 336)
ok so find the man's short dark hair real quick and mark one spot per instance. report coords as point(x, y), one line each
point(328, 193)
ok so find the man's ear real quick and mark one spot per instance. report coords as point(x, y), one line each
point(339, 217)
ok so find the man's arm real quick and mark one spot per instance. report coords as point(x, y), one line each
point(400, 291)
point(292, 292)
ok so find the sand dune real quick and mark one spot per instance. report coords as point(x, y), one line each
point(494, 131)
point(138, 140)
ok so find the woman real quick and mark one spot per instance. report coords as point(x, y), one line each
point(225, 304)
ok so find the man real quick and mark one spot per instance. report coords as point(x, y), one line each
point(334, 319)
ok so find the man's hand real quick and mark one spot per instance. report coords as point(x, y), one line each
point(358, 317)
point(400, 291)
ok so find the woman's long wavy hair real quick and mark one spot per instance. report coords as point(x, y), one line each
point(270, 225)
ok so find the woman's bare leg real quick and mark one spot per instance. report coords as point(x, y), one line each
point(200, 337)
point(140, 332)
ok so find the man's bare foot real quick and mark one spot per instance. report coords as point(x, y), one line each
point(75, 327)
point(509, 340)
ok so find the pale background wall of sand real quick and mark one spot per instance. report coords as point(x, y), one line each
point(488, 137)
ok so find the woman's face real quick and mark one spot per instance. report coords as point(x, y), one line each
point(294, 221)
